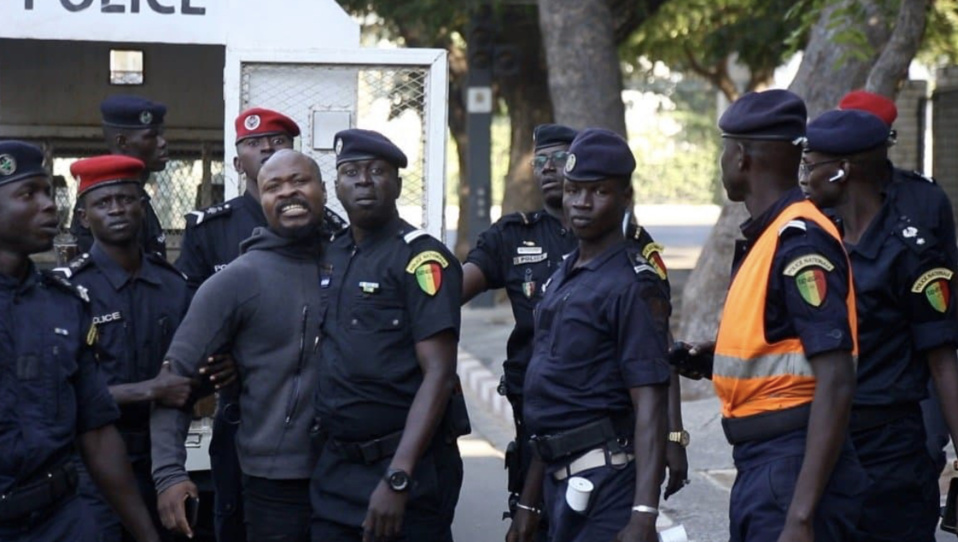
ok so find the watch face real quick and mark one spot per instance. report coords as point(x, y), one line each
point(398, 480)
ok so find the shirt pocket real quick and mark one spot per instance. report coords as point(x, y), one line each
point(376, 328)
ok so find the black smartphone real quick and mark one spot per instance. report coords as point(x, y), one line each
point(192, 510)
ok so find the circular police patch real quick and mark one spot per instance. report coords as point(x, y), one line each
point(252, 122)
point(339, 146)
point(146, 117)
point(570, 163)
point(8, 164)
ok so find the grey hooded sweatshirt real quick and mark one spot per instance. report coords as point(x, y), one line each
point(264, 308)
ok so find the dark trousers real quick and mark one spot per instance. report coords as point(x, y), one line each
point(608, 512)
point(276, 510)
point(902, 498)
point(107, 523)
point(767, 473)
point(227, 481)
point(519, 467)
point(340, 492)
point(69, 521)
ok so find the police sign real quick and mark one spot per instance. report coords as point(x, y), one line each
point(165, 7)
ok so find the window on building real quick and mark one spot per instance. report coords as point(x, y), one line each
point(126, 67)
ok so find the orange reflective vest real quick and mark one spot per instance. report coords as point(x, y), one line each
point(750, 375)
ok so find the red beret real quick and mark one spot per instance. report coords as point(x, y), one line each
point(103, 170)
point(876, 104)
point(257, 122)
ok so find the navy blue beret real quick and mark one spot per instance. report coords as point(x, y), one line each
point(122, 111)
point(550, 135)
point(19, 160)
point(356, 144)
point(774, 115)
point(844, 132)
point(597, 154)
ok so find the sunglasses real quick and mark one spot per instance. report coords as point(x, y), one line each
point(558, 159)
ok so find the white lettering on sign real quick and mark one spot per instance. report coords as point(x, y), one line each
point(163, 7)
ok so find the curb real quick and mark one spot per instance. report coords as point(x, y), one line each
point(483, 385)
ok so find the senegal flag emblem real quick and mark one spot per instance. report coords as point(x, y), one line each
point(812, 286)
point(429, 277)
point(937, 294)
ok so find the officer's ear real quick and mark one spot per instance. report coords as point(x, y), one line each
point(743, 158)
point(236, 166)
point(398, 183)
point(80, 210)
point(120, 141)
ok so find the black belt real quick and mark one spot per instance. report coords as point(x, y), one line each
point(586, 437)
point(368, 452)
point(42, 493)
point(766, 425)
point(870, 417)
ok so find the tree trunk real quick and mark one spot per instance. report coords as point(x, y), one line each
point(892, 65)
point(457, 128)
point(585, 78)
point(829, 69)
point(526, 95)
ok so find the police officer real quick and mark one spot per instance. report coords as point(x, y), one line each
point(596, 386)
point(52, 396)
point(133, 126)
point(908, 323)
point(519, 253)
point(783, 368)
point(265, 310)
point(211, 241)
point(138, 300)
point(389, 468)
point(922, 201)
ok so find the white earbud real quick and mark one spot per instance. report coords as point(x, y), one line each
point(835, 177)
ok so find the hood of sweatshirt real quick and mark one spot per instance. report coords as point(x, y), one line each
point(299, 247)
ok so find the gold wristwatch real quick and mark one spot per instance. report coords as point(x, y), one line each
point(679, 437)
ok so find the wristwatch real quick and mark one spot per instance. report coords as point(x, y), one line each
point(679, 437)
point(397, 479)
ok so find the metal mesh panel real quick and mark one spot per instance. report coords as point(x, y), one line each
point(388, 99)
point(174, 191)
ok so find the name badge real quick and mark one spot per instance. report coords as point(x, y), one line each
point(107, 318)
point(528, 250)
point(369, 287)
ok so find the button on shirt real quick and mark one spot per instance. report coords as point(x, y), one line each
point(51, 389)
point(923, 201)
point(905, 307)
point(384, 296)
point(211, 244)
point(787, 312)
point(601, 329)
point(519, 253)
point(136, 317)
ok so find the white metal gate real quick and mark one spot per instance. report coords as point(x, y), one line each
point(401, 93)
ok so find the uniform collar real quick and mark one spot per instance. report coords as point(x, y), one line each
point(116, 275)
point(755, 226)
point(880, 228)
point(396, 227)
point(594, 263)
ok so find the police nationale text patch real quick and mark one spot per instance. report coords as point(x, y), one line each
point(653, 253)
point(935, 286)
point(808, 260)
point(427, 256)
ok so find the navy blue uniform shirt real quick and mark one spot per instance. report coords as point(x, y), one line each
point(519, 253)
point(601, 329)
point(905, 307)
point(923, 201)
point(383, 296)
point(788, 314)
point(152, 237)
point(51, 389)
point(136, 317)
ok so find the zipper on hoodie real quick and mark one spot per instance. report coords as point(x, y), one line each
point(297, 376)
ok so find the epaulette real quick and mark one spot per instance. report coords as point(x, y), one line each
point(332, 222)
point(793, 227)
point(195, 218)
point(914, 175)
point(526, 219)
point(58, 280)
point(913, 237)
point(75, 265)
point(164, 263)
point(413, 235)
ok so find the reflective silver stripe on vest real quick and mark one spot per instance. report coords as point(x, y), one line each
point(768, 365)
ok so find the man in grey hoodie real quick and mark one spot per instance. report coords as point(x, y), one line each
point(264, 309)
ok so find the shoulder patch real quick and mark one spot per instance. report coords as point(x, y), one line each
point(61, 282)
point(413, 235)
point(195, 218)
point(333, 222)
point(795, 225)
point(427, 267)
point(652, 252)
point(75, 265)
point(938, 273)
point(935, 284)
point(808, 260)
